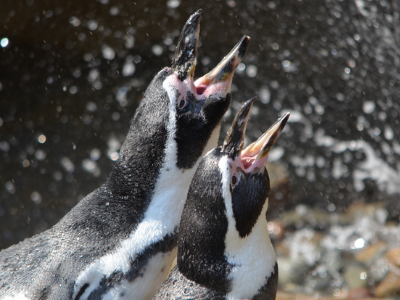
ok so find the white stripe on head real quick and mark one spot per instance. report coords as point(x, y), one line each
point(253, 256)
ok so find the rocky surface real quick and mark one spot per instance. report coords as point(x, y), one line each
point(349, 255)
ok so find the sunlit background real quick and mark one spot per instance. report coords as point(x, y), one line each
point(73, 72)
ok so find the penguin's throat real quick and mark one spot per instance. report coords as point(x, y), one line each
point(248, 163)
point(201, 88)
point(205, 88)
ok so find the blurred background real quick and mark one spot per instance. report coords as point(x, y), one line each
point(73, 72)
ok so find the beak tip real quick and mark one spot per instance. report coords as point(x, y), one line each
point(252, 100)
point(284, 119)
point(243, 45)
point(194, 19)
point(184, 60)
point(234, 140)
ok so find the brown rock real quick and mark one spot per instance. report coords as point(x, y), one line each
point(393, 256)
point(298, 296)
point(281, 295)
point(368, 254)
point(359, 293)
point(361, 208)
point(282, 250)
point(388, 286)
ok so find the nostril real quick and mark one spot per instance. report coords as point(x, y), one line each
point(200, 90)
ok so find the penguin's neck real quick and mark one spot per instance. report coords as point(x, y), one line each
point(146, 177)
point(252, 257)
point(153, 190)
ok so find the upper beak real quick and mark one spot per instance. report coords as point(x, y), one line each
point(256, 154)
point(184, 61)
point(234, 141)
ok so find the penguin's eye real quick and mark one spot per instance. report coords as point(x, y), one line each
point(234, 180)
point(181, 104)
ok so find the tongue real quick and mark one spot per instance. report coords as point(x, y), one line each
point(247, 161)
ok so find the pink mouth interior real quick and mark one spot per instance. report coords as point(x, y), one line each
point(248, 161)
point(200, 89)
point(201, 85)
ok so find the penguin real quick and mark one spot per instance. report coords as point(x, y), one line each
point(119, 241)
point(224, 250)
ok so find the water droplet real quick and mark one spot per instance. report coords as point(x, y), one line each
point(264, 94)
point(57, 175)
point(128, 69)
point(339, 96)
point(4, 42)
point(36, 197)
point(173, 3)
point(91, 106)
point(73, 90)
point(358, 244)
point(90, 166)
point(368, 107)
point(108, 52)
point(95, 154)
point(157, 50)
point(114, 11)
point(274, 84)
point(92, 25)
point(231, 3)
point(42, 139)
point(352, 63)
point(40, 155)
point(115, 116)
point(94, 75)
point(74, 21)
point(4, 146)
point(10, 187)
point(129, 42)
point(88, 57)
point(331, 207)
point(251, 71)
point(388, 133)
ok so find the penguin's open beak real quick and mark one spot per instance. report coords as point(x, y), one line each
point(223, 72)
point(234, 141)
point(185, 60)
point(256, 154)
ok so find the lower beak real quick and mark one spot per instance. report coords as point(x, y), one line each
point(224, 71)
point(256, 154)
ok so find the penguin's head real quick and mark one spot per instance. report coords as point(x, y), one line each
point(244, 174)
point(190, 110)
point(226, 199)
